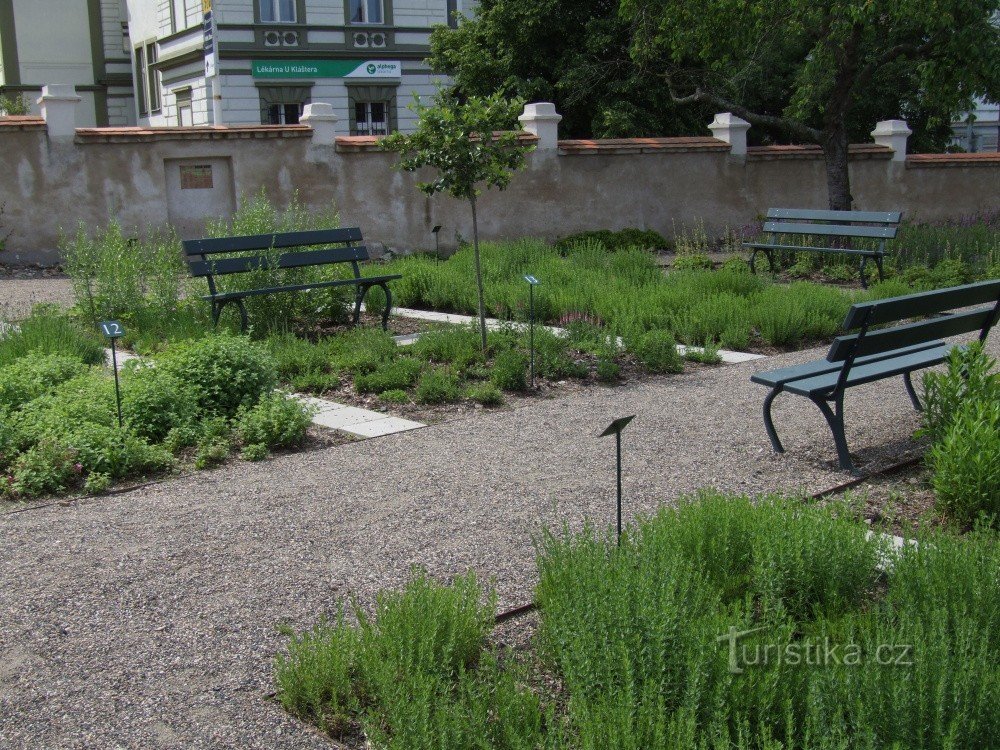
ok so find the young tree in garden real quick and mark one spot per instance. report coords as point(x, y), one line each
point(831, 58)
point(470, 143)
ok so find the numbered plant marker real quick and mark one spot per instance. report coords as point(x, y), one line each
point(112, 329)
point(531, 279)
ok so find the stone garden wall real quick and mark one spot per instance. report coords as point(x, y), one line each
point(53, 176)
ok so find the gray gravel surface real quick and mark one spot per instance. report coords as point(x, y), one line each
point(147, 619)
point(22, 289)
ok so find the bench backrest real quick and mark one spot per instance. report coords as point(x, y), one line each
point(880, 225)
point(259, 251)
point(985, 294)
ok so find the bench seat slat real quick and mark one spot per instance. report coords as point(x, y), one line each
point(871, 217)
point(832, 230)
point(362, 281)
point(841, 250)
point(785, 375)
point(924, 303)
point(860, 374)
point(277, 241)
point(888, 339)
point(301, 259)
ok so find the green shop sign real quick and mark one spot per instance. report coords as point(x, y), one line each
point(327, 69)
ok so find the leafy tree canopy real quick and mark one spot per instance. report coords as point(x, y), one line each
point(823, 71)
point(571, 52)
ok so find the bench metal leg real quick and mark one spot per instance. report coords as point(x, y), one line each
point(835, 418)
point(359, 298)
point(863, 269)
point(772, 434)
point(217, 312)
point(881, 270)
point(753, 264)
point(388, 306)
point(913, 394)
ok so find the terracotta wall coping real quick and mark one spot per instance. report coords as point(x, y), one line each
point(640, 146)
point(21, 122)
point(981, 159)
point(203, 133)
point(855, 151)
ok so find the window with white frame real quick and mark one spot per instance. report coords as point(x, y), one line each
point(178, 15)
point(277, 11)
point(185, 110)
point(147, 80)
point(366, 11)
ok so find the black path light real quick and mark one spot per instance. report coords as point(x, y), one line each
point(532, 283)
point(436, 231)
point(114, 331)
point(615, 428)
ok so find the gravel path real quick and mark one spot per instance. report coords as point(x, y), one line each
point(23, 289)
point(147, 619)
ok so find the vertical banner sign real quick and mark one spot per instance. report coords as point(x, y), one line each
point(208, 28)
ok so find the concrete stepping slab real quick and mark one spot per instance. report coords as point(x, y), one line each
point(338, 419)
point(380, 427)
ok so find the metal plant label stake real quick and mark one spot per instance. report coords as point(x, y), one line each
point(532, 283)
point(114, 330)
point(615, 428)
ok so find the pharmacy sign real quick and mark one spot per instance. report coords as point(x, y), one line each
point(327, 69)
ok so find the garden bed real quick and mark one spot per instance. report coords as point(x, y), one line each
point(723, 623)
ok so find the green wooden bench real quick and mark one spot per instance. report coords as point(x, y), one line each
point(209, 258)
point(876, 352)
point(793, 223)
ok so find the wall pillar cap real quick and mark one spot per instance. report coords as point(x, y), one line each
point(733, 130)
point(320, 117)
point(542, 120)
point(893, 134)
point(59, 92)
point(891, 127)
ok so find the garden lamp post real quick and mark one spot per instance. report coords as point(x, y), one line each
point(532, 283)
point(615, 428)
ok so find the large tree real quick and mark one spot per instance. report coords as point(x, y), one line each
point(571, 52)
point(815, 71)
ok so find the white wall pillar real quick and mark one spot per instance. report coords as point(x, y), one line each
point(542, 119)
point(733, 130)
point(893, 133)
point(58, 105)
point(320, 117)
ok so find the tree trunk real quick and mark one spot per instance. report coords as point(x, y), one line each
point(479, 273)
point(838, 179)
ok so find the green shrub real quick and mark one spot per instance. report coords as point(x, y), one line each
point(509, 371)
point(415, 675)
point(275, 421)
point(552, 357)
point(608, 371)
point(296, 356)
point(657, 350)
point(486, 394)
point(396, 396)
point(395, 375)
point(437, 386)
point(254, 452)
point(116, 276)
point(458, 346)
point(693, 262)
point(965, 463)
point(104, 449)
point(315, 381)
point(362, 350)
point(154, 402)
point(970, 376)
point(224, 372)
point(34, 375)
point(612, 241)
point(45, 468)
point(48, 330)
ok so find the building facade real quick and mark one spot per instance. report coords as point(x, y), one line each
point(239, 62)
point(79, 42)
point(978, 130)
